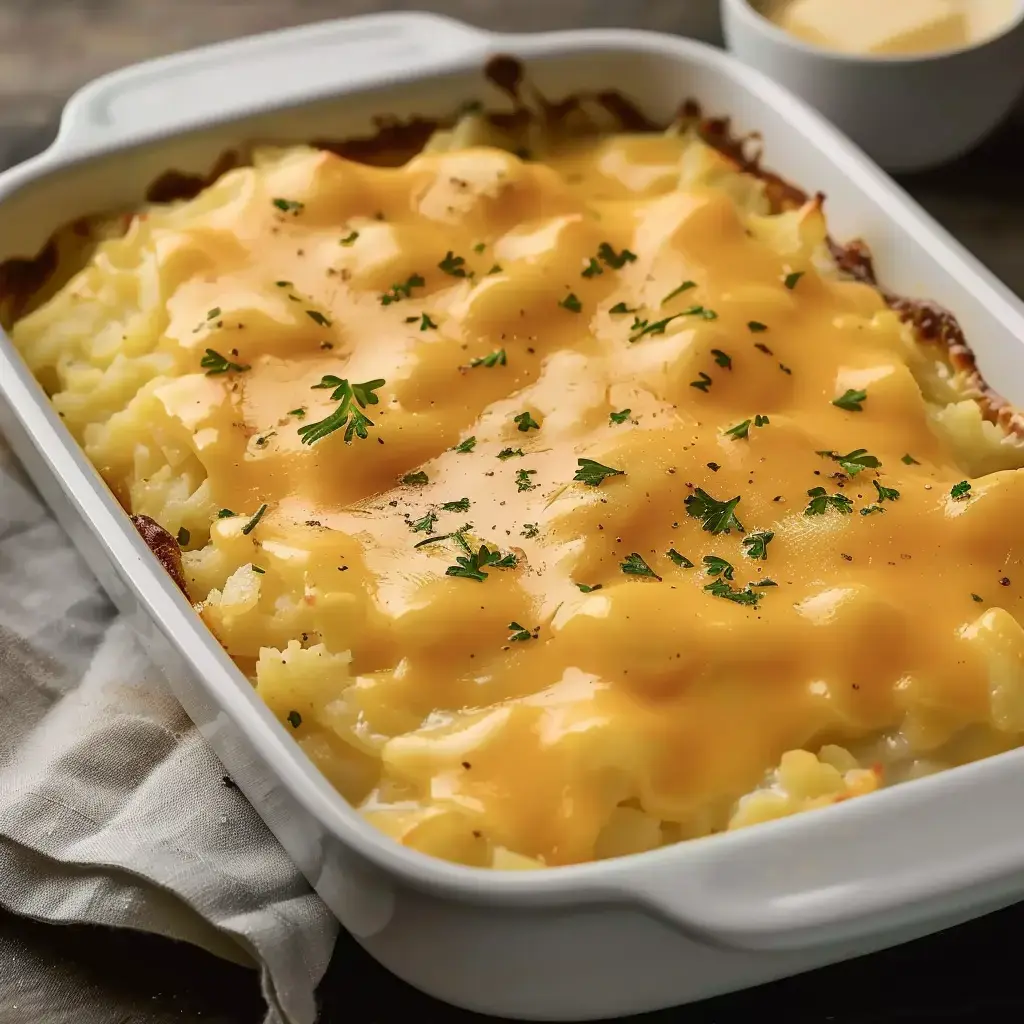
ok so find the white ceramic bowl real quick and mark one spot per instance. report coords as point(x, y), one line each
point(908, 113)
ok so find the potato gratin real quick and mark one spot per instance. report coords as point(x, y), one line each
point(562, 507)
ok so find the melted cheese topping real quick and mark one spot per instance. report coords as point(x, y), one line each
point(610, 685)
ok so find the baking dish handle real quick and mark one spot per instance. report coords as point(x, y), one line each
point(228, 80)
point(905, 860)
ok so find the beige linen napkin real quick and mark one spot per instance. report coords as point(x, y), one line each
point(113, 810)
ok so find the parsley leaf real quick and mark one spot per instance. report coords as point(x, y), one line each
point(251, 525)
point(619, 417)
point(621, 307)
point(426, 324)
point(853, 462)
point(464, 447)
point(761, 421)
point(821, 502)
point(870, 510)
point(350, 398)
point(530, 530)
point(289, 205)
point(571, 303)
point(214, 363)
point(960, 491)
point(318, 318)
point(519, 632)
point(747, 597)
point(496, 358)
point(756, 544)
point(472, 565)
point(740, 431)
point(417, 479)
point(643, 327)
point(886, 493)
point(424, 525)
point(756, 327)
point(790, 280)
point(718, 566)
point(634, 565)
point(681, 560)
point(909, 460)
point(294, 719)
point(462, 505)
point(226, 513)
point(592, 269)
point(511, 453)
point(851, 400)
point(722, 358)
point(453, 265)
point(183, 537)
point(613, 259)
point(703, 384)
point(715, 516)
point(684, 287)
point(350, 238)
point(525, 422)
point(584, 589)
point(593, 473)
point(402, 290)
point(523, 481)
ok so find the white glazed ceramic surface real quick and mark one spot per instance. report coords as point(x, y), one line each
point(593, 940)
point(907, 113)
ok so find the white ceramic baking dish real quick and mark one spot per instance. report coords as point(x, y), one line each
point(595, 940)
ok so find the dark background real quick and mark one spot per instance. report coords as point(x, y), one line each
point(48, 48)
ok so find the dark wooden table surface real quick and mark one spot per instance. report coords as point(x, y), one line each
point(50, 47)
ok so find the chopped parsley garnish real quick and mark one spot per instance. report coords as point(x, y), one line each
point(183, 537)
point(790, 280)
point(715, 516)
point(977, 597)
point(424, 525)
point(684, 287)
point(426, 324)
point(634, 565)
point(496, 269)
point(530, 530)
point(523, 481)
point(765, 583)
point(462, 505)
point(593, 473)
point(213, 313)
point(260, 570)
point(643, 327)
point(214, 363)
point(511, 453)
point(318, 318)
point(465, 447)
point(722, 358)
point(479, 247)
point(886, 493)
point(525, 422)
point(251, 525)
point(351, 399)
point(417, 479)
point(755, 545)
point(703, 383)
point(621, 307)
point(571, 303)
point(402, 290)
point(294, 719)
point(718, 566)
point(613, 259)
point(584, 589)
point(519, 632)
point(289, 205)
point(681, 560)
point(870, 510)
point(283, 284)
point(761, 421)
point(851, 400)
point(853, 462)
point(592, 269)
point(619, 417)
point(821, 502)
point(496, 358)
point(350, 238)
point(747, 597)
point(909, 460)
point(453, 265)
point(960, 491)
point(226, 513)
point(703, 312)
point(740, 431)
point(756, 327)
point(472, 565)
point(298, 413)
